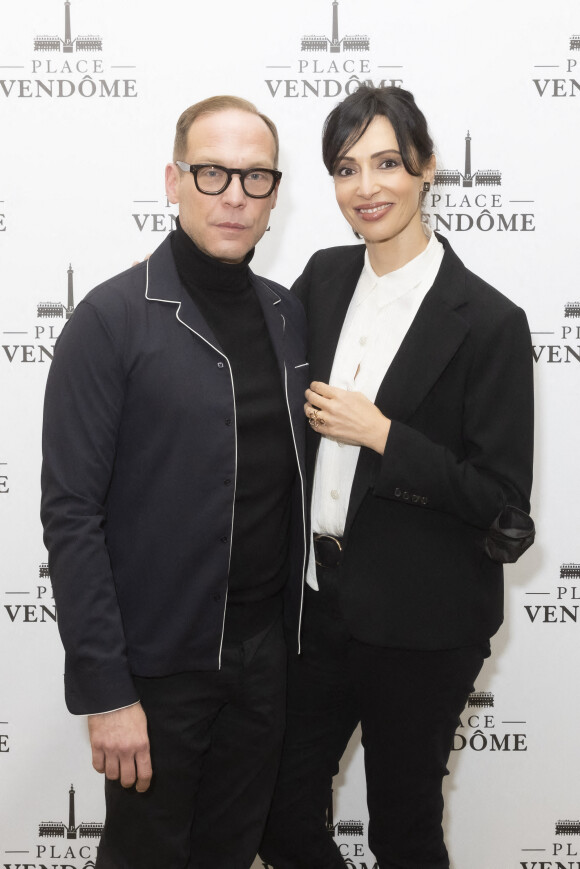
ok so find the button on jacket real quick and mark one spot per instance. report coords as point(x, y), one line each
point(139, 470)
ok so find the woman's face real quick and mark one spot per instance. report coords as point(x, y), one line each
point(376, 194)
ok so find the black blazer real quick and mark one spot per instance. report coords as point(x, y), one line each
point(416, 571)
point(139, 479)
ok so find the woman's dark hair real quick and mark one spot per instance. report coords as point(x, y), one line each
point(349, 120)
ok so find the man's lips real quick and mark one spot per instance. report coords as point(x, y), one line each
point(373, 211)
point(233, 226)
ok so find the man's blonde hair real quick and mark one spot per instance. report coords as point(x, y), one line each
point(209, 107)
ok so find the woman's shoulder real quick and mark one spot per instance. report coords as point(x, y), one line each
point(474, 288)
point(340, 255)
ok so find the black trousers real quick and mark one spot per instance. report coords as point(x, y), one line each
point(215, 741)
point(408, 703)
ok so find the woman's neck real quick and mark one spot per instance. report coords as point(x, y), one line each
point(394, 253)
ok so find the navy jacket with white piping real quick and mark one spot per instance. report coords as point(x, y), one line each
point(136, 508)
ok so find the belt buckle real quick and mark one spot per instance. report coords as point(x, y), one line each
point(334, 539)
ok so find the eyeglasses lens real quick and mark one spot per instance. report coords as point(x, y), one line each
point(212, 179)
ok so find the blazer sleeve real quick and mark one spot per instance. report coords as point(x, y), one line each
point(82, 410)
point(488, 485)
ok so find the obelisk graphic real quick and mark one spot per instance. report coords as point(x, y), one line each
point(71, 832)
point(330, 815)
point(468, 179)
point(335, 44)
point(68, 46)
point(70, 301)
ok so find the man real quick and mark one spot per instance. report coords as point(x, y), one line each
point(173, 508)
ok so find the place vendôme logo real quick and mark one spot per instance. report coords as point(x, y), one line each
point(34, 604)
point(481, 729)
point(65, 66)
point(350, 841)
point(78, 850)
point(476, 203)
point(562, 851)
point(563, 599)
point(329, 66)
point(154, 215)
point(559, 345)
point(36, 344)
point(564, 83)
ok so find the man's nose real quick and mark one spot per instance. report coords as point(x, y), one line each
point(234, 193)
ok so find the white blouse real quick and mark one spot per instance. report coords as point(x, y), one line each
point(378, 318)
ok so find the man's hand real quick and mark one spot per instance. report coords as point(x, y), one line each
point(348, 417)
point(120, 746)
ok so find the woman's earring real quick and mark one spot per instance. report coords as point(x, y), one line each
point(426, 187)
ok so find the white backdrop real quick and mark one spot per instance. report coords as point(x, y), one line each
point(84, 137)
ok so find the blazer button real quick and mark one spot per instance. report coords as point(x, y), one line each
point(405, 496)
point(217, 597)
point(224, 539)
point(227, 482)
point(228, 421)
point(220, 365)
point(397, 493)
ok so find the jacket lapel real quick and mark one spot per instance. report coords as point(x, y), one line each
point(432, 340)
point(337, 294)
point(164, 285)
point(270, 302)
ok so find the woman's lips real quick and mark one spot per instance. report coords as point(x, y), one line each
point(374, 211)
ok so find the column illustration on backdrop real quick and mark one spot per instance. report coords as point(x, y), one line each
point(335, 44)
point(68, 45)
point(57, 309)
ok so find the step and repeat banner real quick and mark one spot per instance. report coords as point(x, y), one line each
point(90, 91)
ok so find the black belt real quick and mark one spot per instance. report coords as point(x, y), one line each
point(327, 550)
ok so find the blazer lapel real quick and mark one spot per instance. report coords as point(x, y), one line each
point(164, 285)
point(275, 323)
point(336, 294)
point(432, 340)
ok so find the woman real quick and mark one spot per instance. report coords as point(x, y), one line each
point(421, 425)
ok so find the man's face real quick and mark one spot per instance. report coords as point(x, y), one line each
point(228, 225)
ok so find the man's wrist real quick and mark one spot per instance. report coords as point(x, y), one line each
point(107, 711)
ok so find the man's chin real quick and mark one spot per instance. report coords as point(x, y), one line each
point(228, 253)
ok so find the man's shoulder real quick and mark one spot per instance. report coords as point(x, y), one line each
point(128, 289)
point(125, 287)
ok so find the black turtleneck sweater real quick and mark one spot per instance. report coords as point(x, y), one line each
point(266, 460)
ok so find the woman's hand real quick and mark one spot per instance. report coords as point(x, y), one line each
point(348, 417)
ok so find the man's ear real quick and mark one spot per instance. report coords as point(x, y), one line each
point(172, 181)
point(274, 195)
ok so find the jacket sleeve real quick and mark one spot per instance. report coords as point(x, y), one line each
point(82, 411)
point(489, 484)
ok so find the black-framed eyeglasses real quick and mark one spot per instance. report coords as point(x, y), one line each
point(210, 179)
